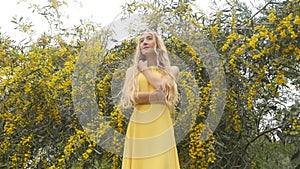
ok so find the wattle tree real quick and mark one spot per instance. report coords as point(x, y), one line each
point(257, 65)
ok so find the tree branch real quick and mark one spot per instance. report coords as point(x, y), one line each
point(260, 10)
point(261, 134)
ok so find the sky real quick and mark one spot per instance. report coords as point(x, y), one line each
point(100, 11)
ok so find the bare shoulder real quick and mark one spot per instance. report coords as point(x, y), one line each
point(174, 71)
point(129, 70)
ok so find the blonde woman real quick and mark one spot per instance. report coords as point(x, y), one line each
point(150, 86)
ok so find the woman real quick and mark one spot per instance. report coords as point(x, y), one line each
point(150, 86)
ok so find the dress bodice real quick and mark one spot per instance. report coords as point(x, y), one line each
point(144, 85)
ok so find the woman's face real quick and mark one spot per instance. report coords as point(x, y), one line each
point(147, 44)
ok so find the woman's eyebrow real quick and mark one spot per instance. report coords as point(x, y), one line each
point(148, 36)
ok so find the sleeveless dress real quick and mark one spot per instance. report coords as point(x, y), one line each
point(150, 141)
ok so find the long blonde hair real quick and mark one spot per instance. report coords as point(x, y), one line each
point(131, 86)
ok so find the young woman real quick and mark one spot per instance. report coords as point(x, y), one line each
point(150, 86)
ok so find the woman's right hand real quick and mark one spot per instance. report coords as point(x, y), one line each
point(143, 65)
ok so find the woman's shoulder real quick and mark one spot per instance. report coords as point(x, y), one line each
point(174, 70)
point(130, 70)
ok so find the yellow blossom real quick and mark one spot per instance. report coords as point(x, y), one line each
point(272, 17)
point(225, 47)
point(282, 33)
point(280, 78)
point(253, 41)
point(9, 127)
point(293, 35)
point(85, 155)
point(297, 20)
point(256, 56)
point(273, 37)
point(239, 51)
point(263, 34)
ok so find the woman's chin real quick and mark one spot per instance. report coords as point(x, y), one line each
point(148, 53)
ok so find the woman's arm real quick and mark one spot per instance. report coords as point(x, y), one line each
point(153, 79)
point(149, 97)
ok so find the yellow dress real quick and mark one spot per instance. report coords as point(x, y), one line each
point(150, 141)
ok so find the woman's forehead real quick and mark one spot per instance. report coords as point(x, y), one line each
point(147, 34)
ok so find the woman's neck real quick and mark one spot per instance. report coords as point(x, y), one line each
point(151, 60)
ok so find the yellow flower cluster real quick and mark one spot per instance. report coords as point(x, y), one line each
point(186, 86)
point(253, 40)
point(86, 154)
point(200, 151)
point(230, 39)
point(4, 145)
point(75, 142)
point(103, 85)
point(280, 78)
point(232, 109)
point(197, 150)
point(9, 127)
point(294, 127)
point(272, 17)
